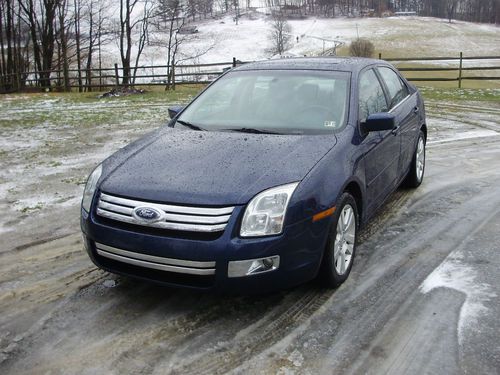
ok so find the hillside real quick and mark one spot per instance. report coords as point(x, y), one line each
point(394, 36)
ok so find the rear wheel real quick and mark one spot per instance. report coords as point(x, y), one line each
point(341, 243)
point(417, 167)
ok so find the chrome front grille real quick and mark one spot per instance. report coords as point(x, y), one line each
point(158, 263)
point(173, 217)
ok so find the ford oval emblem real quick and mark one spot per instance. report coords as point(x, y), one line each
point(148, 214)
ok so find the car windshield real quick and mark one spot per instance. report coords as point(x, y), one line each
point(272, 101)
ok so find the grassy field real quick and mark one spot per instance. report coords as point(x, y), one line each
point(87, 109)
point(437, 94)
point(71, 109)
point(414, 37)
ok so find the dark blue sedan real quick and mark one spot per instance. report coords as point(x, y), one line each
point(262, 181)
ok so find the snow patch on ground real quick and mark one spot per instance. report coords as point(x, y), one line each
point(455, 274)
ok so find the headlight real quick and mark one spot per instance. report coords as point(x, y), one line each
point(265, 214)
point(90, 187)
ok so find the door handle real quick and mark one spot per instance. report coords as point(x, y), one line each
point(395, 131)
point(416, 110)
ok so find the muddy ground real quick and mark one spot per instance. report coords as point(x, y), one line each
point(423, 296)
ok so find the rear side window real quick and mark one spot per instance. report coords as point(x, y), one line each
point(397, 89)
point(371, 95)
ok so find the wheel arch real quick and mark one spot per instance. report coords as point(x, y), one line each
point(424, 130)
point(354, 189)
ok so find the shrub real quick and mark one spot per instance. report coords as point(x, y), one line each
point(361, 48)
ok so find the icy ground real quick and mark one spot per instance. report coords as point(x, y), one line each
point(422, 297)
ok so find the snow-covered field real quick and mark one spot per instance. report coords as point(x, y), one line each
point(219, 40)
point(393, 37)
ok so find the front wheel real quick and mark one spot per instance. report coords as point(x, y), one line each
point(341, 243)
point(417, 167)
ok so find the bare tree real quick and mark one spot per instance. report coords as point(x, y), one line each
point(175, 18)
point(280, 34)
point(94, 24)
point(10, 61)
point(77, 8)
point(90, 50)
point(63, 58)
point(88, 14)
point(126, 26)
point(41, 19)
point(129, 19)
point(171, 12)
point(148, 12)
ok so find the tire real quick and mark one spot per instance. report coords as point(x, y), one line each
point(341, 243)
point(417, 167)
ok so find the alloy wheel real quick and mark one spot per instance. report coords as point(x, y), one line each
point(344, 240)
point(420, 158)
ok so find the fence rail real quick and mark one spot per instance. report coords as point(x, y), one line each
point(163, 75)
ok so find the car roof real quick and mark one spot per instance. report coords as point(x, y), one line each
point(348, 64)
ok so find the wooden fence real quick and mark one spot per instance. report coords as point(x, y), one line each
point(157, 75)
point(458, 67)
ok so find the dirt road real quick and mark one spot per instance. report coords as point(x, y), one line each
point(423, 296)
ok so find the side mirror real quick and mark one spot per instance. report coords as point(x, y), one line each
point(174, 111)
point(379, 121)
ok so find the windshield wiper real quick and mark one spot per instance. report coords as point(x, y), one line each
point(252, 130)
point(189, 125)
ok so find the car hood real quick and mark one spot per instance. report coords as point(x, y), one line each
point(210, 168)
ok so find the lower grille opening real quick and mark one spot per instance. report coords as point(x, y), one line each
point(163, 277)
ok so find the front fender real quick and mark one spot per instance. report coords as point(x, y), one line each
point(328, 179)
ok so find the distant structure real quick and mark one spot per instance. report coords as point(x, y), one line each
point(329, 45)
point(405, 13)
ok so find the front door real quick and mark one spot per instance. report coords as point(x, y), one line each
point(382, 148)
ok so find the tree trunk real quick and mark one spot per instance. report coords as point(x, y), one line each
point(497, 12)
point(64, 45)
point(3, 68)
point(77, 45)
point(29, 10)
point(88, 75)
point(125, 40)
point(48, 42)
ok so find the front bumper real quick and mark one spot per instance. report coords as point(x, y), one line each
point(202, 263)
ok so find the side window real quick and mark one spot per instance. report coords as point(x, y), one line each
point(397, 89)
point(371, 95)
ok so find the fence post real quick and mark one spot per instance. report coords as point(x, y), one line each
point(18, 81)
point(460, 71)
point(100, 79)
point(117, 77)
point(173, 75)
point(234, 62)
point(380, 56)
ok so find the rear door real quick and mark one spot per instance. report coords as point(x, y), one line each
point(405, 107)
